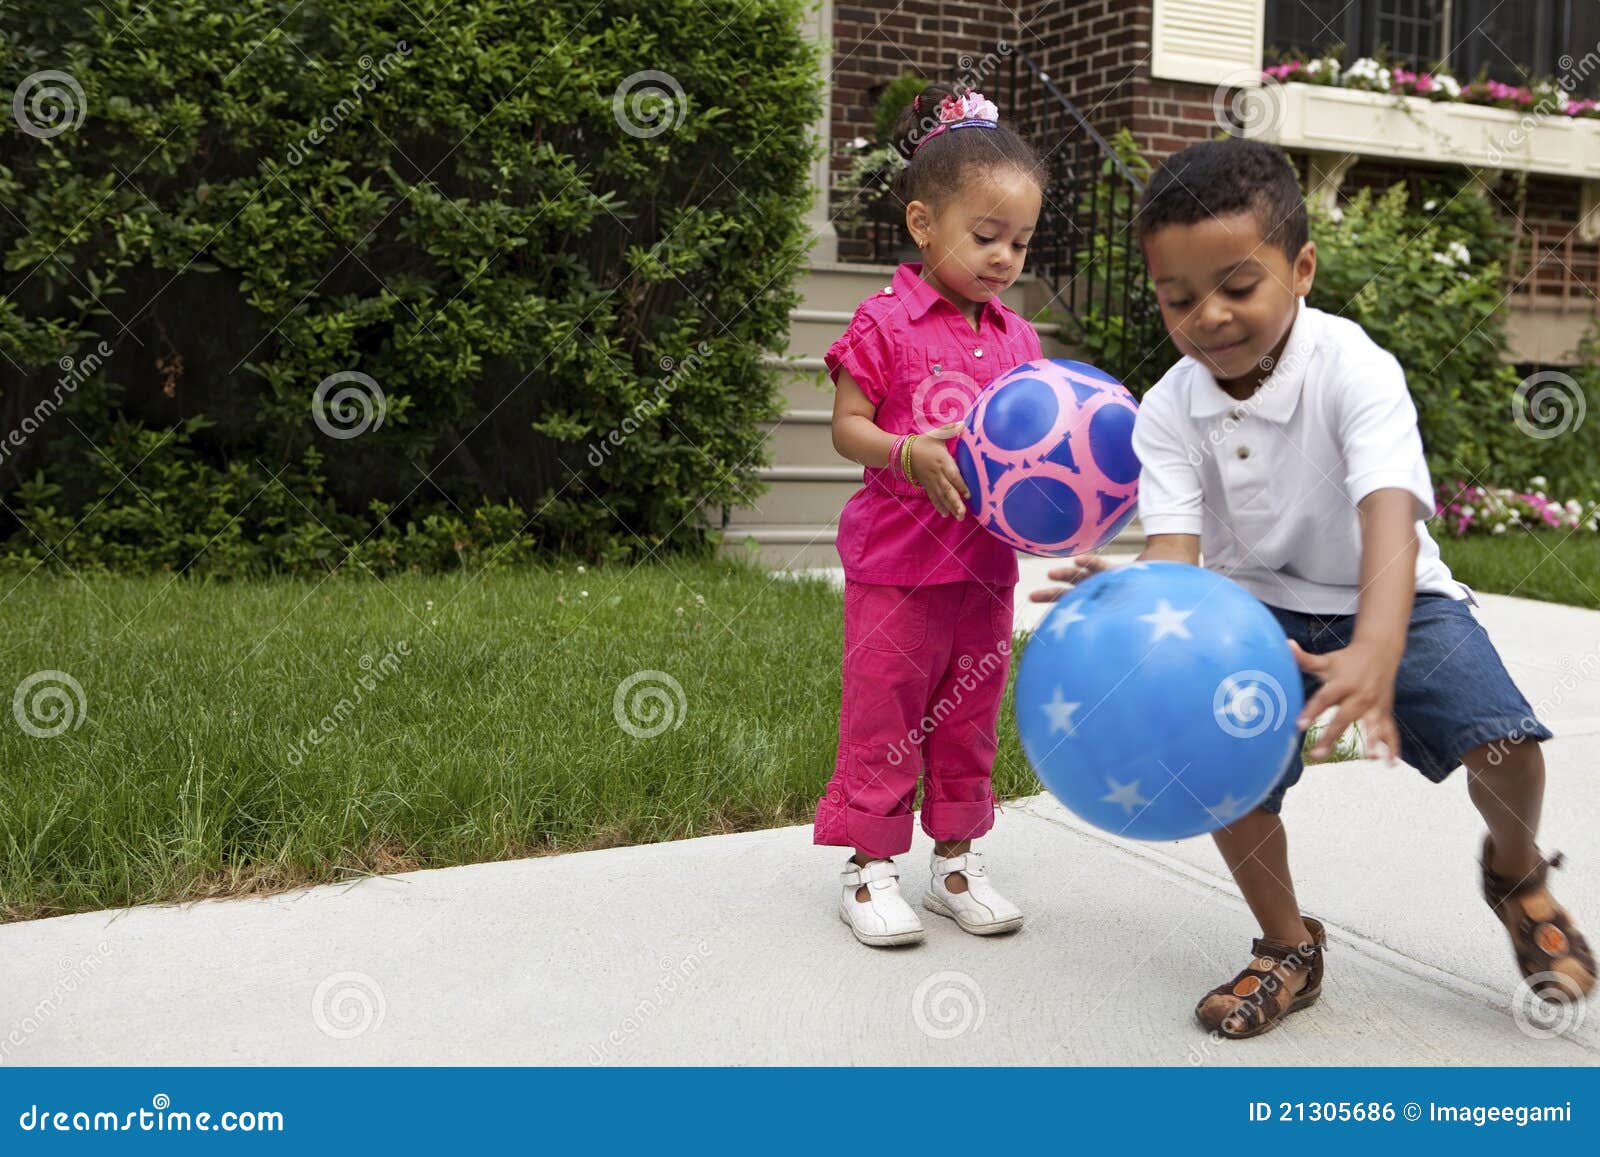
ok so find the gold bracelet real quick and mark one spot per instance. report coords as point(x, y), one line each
point(905, 463)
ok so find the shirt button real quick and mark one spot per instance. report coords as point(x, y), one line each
point(1243, 451)
point(888, 289)
point(977, 351)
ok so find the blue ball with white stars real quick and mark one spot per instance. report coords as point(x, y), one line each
point(1158, 701)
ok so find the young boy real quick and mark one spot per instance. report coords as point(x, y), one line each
point(1284, 446)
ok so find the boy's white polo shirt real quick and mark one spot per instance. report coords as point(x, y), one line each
point(1270, 484)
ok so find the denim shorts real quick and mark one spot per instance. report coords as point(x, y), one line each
point(1451, 694)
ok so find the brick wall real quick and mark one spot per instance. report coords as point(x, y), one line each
point(874, 43)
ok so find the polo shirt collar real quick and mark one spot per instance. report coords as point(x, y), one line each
point(919, 297)
point(1279, 393)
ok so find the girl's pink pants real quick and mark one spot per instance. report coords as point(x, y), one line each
point(924, 672)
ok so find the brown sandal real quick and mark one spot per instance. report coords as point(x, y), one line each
point(1539, 945)
point(1260, 988)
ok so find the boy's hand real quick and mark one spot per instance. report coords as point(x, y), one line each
point(936, 471)
point(1359, 680)
point(1072, 570)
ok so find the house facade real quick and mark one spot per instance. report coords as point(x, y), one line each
point(1174, 72)
point(1074, 73)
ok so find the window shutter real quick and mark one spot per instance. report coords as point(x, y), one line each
point(1208, 41)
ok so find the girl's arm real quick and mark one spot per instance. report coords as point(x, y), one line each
point(857, 437)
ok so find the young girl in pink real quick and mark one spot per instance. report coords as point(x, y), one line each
point(928, 592)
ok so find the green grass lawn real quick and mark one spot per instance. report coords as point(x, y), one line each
point(489, 734)
point(461, 718)
point(1557, 566)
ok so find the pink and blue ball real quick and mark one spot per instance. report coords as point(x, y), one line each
point(1047, 456)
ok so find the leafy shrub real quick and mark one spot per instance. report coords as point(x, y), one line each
point(504, 230)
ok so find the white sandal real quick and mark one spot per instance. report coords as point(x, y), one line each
point(885, 918)
point(980, 909)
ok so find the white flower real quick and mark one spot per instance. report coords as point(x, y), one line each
point(1468, 511)
point(1573, 506)
point(580, 569)
point(1444, 259)
point(1499, 528)
point(1447, 84)
point(1313, 66)
point(1516, 516)
point(1460, 252)
point(859, 143)
point(1538, 480)
point(1429, 206)
point(1336, 213)
point(583, 594)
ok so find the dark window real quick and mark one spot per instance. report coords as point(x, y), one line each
point(1510, 40)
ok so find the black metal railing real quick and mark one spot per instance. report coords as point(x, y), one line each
point(1085, 248)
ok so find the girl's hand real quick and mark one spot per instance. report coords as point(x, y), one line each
point(1072, 570)
point(936, 470)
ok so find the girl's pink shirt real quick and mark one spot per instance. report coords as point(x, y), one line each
point(920, 362)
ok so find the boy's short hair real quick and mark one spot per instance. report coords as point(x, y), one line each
point(1217, 178)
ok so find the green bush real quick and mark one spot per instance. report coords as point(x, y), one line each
point(1424, 291)
point(539, 248)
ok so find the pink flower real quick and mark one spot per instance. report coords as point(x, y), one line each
point(971, 106)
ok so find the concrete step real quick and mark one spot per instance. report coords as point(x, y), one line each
point(783, 547)
point(840, 285)
point(789, 547)
point(803, 438)
point(799, 496)
point(812, 331)
point(804, 382)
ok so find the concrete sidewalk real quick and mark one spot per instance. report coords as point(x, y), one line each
point(728, 949)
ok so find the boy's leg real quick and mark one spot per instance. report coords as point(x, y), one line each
point(1455, 704)
point(1256, 850)
point(1506, 783)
